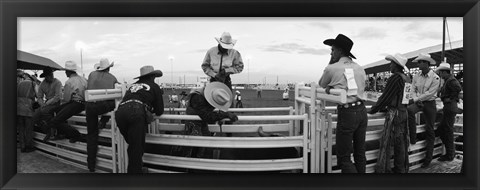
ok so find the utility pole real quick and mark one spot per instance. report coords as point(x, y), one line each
point(81, 61)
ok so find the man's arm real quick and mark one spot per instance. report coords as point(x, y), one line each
point(432, 90)
point(206, 65)
point(325, 79)
point(237, 65)
point(58, 91)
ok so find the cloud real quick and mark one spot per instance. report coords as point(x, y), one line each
point(295, 48)
point(425, 35)
point(321, 25)
point(198, 51)
point(371, 33)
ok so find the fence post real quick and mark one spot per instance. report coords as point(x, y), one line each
point(329, 143)
point(314, 144)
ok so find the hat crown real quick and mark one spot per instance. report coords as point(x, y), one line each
point(344, 42)
point(443, 66)
point(220, 96)
point(226, 38)
point(146, 69)
point(103, 64)
point(71, 65)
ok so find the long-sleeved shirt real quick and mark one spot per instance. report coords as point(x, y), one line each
point(101, 80)
point(74, 88)
point(198, 105)
point(392, 95)
point(147, 92)
point(450, 90)
point(231, 62)
point(334, 76)
point(425, 87)
point(50, 91)
point(25, 97)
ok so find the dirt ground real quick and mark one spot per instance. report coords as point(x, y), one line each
point(34, 162)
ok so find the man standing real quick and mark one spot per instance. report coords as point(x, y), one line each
point(424, 89)
point(395, 131)
point(222, 60)
point(73, 103)
point(450, 96)
point(259, 91)
point(48, 97)
point(135, 113)
point(25, 99)
point(98, 79)
point(343, 73)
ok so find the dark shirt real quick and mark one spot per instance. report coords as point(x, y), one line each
point(450, 90)
point(147, 92)
point(198, 105)
point(392, 95)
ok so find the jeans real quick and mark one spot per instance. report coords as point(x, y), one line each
point(429, 109)
point(445, 129)
point(44, 113)
point(64, 112)
point(93, 110)
point(350, 134)
point(25, 131)
point(131, 121)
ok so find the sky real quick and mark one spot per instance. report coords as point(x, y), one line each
point(286, 50)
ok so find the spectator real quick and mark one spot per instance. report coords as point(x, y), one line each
point(48, 97)
point(238, 99)
point(25, 101)
point(101, 78)
point(259, 91)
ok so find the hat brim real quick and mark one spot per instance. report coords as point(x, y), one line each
point(98, 68)
point(331, 42)
point(443, 69)
point(208, 95)
point(157, 73)
point(224, 45)
point(391, 58)
point(429, 59)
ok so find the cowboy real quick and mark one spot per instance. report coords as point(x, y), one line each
point(449, 94)
point(202, 102)
point(73, 103)
point(48, 97)
point(259, 91)
point(101, 78)
point(25, 100)
point(343, 73)
point(183, 100)
point(424, 89)
point(222, 60)
point(238, 99)
point(395, 131)
point(134, 113)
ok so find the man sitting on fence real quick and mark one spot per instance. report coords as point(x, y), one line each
point(134, 114)
point(48, 97)
point(343, 73)
point(73, 103)
point(202, 102)
point(395, 131)
point(98, 79)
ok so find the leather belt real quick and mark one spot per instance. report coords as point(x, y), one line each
point(349, 105)
point(136, 101)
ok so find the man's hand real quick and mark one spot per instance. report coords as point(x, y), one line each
point(327, 89)
point(221, 76)
point(232, 117)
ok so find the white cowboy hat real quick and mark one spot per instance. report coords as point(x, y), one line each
point(425, 57)
point(104, 64)
point(149, 70)
point(71, 66)
point(443, 66)
point(218, 95)
point(226, 40)
point(398, 59)
point(238, 92)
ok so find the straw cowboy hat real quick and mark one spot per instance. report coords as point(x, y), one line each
point(399, 59)
point(46, 72)
point(425, 57)
point(71, 66)
point(104, 64)
point(226, 40)
point(218, 95)
point(343, 42)
point(443, 66)
point(148, 70)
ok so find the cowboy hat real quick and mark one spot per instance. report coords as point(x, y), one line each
point(104, 64)
point(226, 40)
point(443, 66)
point(148, 70)
point(425, 57)
point(46, 72)
point(343, 42)
point(218, 95)
point(71, 66)
point(399, 59)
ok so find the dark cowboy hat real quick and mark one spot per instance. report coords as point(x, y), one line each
point(149, 70)
point(343, 42)
point(46, 72)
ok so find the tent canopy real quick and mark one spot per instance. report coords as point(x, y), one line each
point(28, 61)
point(453, 53)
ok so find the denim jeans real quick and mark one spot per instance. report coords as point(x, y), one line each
point(445, 129)
point(429, 109)
point(64, 112)
point(131, 122)
point(44, 113)
point(25, 131)
point(350, 135)
point(93, 110)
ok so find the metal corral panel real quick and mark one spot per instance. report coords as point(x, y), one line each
point(80, 146)
point(102, 133)
point(224, 165)
point(230, 128)
point(225, 142)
